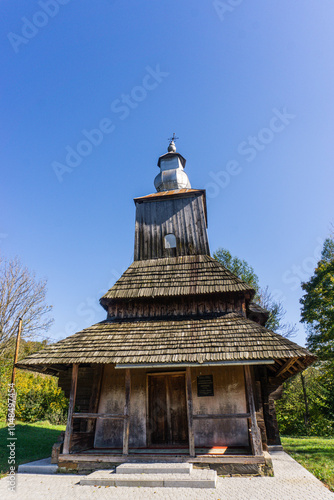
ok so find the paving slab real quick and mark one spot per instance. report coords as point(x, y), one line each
point(291, 482)
point(206, 479)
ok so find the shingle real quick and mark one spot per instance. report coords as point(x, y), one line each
point(175, 276)
point(228, 337)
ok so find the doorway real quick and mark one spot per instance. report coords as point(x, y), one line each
point(167, 409)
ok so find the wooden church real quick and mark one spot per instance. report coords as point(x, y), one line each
point(182, 369)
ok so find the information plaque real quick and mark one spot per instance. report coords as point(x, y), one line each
point(204, 385)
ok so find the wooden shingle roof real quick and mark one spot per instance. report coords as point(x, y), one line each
point(175, 276)
point(169, 194)
point(226, 338)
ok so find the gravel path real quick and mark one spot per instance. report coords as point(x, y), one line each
point(291, 482)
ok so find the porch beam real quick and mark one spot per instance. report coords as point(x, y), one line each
point(122, 366)
point(69, 426)
point(99, 415)
point(256, 440)
point(189, 395)
point(126, 422)
point(285, 367)
point(224, 415)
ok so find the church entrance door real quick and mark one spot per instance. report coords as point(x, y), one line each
point(167, 413)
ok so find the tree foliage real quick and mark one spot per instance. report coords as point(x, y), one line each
point(312, 411)
point(263, 297)
point(318, 305)
point(38, 396)
point(21, 296)
point(291, 411)
point(239, 267)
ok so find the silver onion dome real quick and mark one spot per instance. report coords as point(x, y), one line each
point(172, 175)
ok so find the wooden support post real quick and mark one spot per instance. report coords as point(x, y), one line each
point(69, 426)
point(126, 424)
point(256, 440)
point(95, 395)
point(168, 411)
point(190, 412)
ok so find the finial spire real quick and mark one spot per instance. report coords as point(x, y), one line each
point(172, 147)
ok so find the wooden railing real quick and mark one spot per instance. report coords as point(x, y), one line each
point(223, 415)
point(99, 415)
point(71, 415)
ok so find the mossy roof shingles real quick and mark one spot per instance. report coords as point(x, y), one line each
point(229, 337)
point(175, 276)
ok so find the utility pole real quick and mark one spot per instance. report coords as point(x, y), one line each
point(12, 394)
point(16, 351)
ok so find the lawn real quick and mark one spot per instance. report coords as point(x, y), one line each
point(34, 441)
point(316, 454)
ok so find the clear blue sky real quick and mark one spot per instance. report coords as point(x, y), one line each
point(248, 89)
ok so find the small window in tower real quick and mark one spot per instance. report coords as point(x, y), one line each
point(170, 241)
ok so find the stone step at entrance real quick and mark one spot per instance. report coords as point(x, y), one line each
point(153, 475)
point(160, 468)
point(43, 466)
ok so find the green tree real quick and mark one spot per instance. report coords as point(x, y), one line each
point(263, 297)
point(318, 305)
point(239, 267)
point(317, 418)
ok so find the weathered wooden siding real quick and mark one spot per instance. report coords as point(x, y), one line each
point(229, 397)
point(182, 216)
point(109, 433)
point(182, 306)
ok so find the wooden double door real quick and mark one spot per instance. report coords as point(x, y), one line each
point(167, 409)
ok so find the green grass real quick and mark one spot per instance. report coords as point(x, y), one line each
point(34, 441)
point(316, 454)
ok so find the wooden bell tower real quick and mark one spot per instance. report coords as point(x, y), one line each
point(173, 221)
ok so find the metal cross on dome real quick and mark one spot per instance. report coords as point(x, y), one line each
point(172, 139)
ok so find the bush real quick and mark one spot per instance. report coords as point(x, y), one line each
point(38, 398)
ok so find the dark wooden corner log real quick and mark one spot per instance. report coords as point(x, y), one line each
point(256, 441)
point(190, 413)
point(69, 427)
point(126, 423)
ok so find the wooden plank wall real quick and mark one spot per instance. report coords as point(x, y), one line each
point(183, 217)
point(229, 398)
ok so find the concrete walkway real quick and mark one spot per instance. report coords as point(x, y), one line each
point(291, 482)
